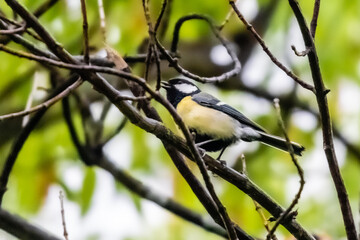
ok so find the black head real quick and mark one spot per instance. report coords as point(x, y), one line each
point(178, 88)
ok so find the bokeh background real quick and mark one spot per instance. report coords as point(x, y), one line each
point(96, 207)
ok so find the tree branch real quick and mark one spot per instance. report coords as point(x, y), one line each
point(61, 198)
point(85, 32)
point(314, 20)
point(257, 205)
point(328, 143)
point(22, 229)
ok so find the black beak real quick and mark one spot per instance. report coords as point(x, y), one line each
point(165, 85)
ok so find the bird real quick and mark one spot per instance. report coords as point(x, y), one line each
point(214, 124)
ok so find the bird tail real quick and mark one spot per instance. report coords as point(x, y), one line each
point(280, 143)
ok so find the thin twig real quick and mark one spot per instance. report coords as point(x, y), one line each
point(65, 233)
point(102, 20)
point(152, 48)
point(151, 38)
point(328, 140)
point(85, 32)
point(44, 7)
point(227, 18)
point(148, 61)
point(165, 19)
point(257, 205)
point(161, 14)
point(46, 104)
point(250, 28)
point(158, 67)
point(314, 19)
point(287, 212)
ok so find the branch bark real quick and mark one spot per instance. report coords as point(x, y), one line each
point(22, 229)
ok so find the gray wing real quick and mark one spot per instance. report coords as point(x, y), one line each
point(207, 100)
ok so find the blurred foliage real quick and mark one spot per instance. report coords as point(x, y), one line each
point(48, 153)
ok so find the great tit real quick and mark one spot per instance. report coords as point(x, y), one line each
point(215, 124)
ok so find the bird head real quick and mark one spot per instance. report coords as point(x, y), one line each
point(178, 88)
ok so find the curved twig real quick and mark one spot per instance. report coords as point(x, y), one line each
point(287, 212)
point(174, 62)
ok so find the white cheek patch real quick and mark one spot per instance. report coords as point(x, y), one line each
point(186, 88)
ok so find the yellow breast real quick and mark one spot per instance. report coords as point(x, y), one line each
point(206, 120)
